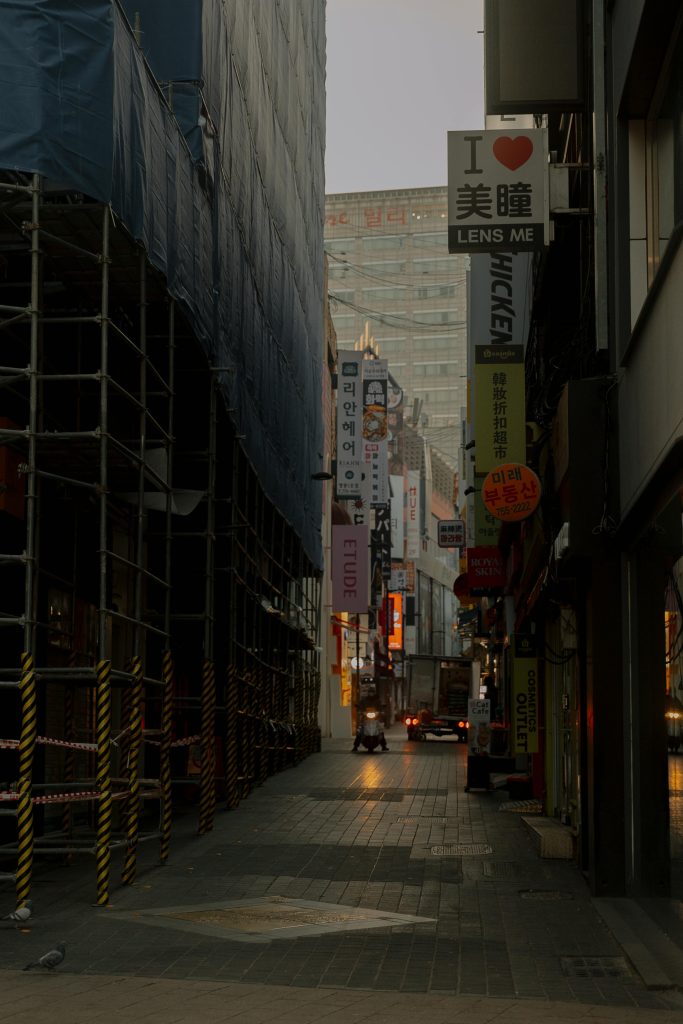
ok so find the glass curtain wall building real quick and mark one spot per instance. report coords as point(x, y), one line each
point(389, 268)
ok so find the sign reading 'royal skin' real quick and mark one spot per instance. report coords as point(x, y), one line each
point(511, 492)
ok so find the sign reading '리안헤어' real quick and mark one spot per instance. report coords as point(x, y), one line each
point(497, 191)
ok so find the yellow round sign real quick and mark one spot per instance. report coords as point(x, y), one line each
point(511, 492)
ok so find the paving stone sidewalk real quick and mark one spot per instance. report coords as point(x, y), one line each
point(348, 887)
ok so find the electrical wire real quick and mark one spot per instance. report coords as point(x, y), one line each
point(398, 319)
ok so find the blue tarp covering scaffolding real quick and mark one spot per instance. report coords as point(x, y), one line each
point(202, 123)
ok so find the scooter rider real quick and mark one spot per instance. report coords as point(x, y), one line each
point(360, 731)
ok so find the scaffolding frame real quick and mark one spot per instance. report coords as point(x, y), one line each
point(119, 605)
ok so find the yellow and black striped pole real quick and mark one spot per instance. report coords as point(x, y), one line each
point(262, 774)
point(69, 757)
point(133, 774)
point(207, 782)
point(165, 755)
point(231, 786)
point(27, 744)
point(103, 714)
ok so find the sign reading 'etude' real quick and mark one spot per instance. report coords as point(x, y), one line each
point(497, 191)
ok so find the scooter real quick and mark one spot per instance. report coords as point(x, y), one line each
point(371, 732)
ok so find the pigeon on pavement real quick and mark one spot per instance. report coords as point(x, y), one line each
point(49, 960)
point(21, 915)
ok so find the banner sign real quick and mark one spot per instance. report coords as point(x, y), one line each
point(485, 570)
point(479, 732)
point(497, 191)
point(375, 426)
point(359, 508)
point(451, 533)
point(349, 424)
point(486, 526)
point(511, 492)
point(413, 525)
point(383, 532)
point(399, 579)
point(350, 592)
point(524, 711)
point(499, 298)
point(397, 530)
point(499, 406)
point(396, 622)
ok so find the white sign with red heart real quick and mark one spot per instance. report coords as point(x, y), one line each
point(497, 191)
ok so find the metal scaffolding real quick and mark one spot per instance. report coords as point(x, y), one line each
point(158, 618)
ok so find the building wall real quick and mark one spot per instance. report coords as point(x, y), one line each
point(390, 267)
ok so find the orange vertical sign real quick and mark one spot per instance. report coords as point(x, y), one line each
point(396, 631)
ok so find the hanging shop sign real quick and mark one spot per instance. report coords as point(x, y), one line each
point(375, 426)
point(499, 406)
point(397, 524)
point(451, 533)
point(511, 492)
point(350, 583)
point(485, 570)
point(486, 528)
point(413, 518)
point(499, 300)
point(497, 191)
point(382, 531)
point(396, 621)
point(524, 711)
point(349, 425)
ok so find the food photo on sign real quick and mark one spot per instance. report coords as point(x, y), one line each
point(511, 492)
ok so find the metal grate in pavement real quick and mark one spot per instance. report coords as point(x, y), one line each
point(544, 895)
point(373, 793)
point(460, 850)
point(522, 806)
point(500, 870)
point(420, 820)
point(595, 967)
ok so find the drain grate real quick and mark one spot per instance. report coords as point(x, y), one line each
point(422, 820)
point(499, 870)
point(595, 967)
point(377, 793)
point(522, 806)
point(545, 895)
point(460, 850)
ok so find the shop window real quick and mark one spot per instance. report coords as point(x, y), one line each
point(656, 179)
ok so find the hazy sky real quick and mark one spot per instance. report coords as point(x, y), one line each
point(400, 74)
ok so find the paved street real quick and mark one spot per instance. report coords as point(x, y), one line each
point(351, 887)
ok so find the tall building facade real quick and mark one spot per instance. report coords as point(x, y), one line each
point(390, 275)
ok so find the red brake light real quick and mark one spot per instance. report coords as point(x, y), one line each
point(461, 725)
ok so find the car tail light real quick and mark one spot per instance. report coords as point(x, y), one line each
point(409, 720)
point(461, 725)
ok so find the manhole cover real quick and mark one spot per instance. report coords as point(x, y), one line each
point(545, 895)
point(595, 967)
point(460, 850)
point(500, 869)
